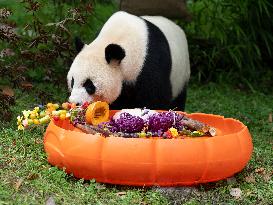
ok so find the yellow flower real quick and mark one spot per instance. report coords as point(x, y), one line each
point(49, 105)
point(36, 109)
point(26, 113)
point(20, 127)
point(19, 123)
point(19, 120)
point(173, 132)
point(34, 113)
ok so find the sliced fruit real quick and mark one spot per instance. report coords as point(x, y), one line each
point(97, 113)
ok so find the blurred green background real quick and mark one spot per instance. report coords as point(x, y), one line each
point(229, 41)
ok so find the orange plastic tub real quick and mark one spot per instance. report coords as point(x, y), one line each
point(153, 161)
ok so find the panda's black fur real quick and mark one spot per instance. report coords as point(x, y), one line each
point(154, 77)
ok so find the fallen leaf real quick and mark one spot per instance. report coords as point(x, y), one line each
point(248, 193)
point(250, 179)
point(21, 68)
point(26, 85)
point(267, 177)
point(50, 201)
point(6, 52)
point(270, 118)
point(18, 183)
point(7, 91)
point(235, 192)
point(260, 170)
point(33, 176)
point(6, 98)
point(100, 186)
point(121, 193)
point(39, 141)
point(14, 142)
point(231, 180)
point(10, 163)
point(89, 8)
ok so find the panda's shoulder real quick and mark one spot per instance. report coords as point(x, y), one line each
point(122, 17)
point(164, 24)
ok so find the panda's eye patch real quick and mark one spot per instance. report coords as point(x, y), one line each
point(72, 82)
point(89, 87)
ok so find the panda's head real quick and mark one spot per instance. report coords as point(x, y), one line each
point(95, 73)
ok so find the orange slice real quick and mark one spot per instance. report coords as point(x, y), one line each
point(97, 112)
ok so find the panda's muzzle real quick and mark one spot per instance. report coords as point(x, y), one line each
point(89, 87)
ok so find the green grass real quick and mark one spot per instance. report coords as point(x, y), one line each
point(22, 158)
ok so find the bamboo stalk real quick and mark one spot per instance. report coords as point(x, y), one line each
point(90, 129)
point(198, 126)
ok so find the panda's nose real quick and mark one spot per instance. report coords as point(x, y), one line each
point(73, 100)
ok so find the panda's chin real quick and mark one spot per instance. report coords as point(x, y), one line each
point(80, 99)
point(89, 99)
point(79, 96)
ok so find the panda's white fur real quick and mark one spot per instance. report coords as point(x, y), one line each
point(176, 37)
point(130, 32)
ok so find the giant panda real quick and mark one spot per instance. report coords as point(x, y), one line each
point(133, 62)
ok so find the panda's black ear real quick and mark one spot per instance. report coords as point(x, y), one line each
point(78, 44)
point(114, 52)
